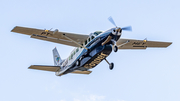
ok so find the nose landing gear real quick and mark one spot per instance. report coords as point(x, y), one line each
point(111, 65)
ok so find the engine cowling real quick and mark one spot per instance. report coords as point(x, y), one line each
point(114, 32)
point(117, 31)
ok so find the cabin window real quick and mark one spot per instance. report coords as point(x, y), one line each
point(82, 45)
point(85, 42)
point(71, 56)
point(92, 37)
point(89, 40)
point(77, 50)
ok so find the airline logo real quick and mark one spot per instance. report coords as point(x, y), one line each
point(57, 58)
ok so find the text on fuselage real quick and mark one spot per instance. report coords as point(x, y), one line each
point(96, 61)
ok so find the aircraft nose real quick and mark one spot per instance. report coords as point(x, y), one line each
point(116, 31)
point(119, 30)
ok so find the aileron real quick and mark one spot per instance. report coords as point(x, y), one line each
point(27, 31)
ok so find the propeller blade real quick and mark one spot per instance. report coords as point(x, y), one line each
point(128, 28)
point(112, 21)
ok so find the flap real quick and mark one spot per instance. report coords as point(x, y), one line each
point(56, 40)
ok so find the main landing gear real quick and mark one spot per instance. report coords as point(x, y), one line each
point(115, 48)
point(78, 63)
point(111, 65)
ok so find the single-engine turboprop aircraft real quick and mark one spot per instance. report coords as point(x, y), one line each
point(89, 50)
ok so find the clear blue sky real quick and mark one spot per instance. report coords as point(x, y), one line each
point(139, 75)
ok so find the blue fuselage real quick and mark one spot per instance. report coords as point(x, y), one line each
point(94, 55)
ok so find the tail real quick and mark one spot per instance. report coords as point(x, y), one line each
point(56, 57)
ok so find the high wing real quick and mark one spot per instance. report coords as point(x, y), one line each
point(140, 44)
point(52, 36)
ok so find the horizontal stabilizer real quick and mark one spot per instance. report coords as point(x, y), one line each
point(81, 72)
point(45, 68)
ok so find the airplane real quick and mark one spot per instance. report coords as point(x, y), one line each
point(89, 51)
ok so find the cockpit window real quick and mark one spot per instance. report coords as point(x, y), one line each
point(97, 33)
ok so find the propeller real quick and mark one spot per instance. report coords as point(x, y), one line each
point(116, 32)
point(128, 28)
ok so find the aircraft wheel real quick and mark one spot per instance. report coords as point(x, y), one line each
point(115, 48)
point(77, 63)
point(111, 66)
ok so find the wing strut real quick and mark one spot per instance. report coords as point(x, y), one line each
point(74, 42)
point(123, 44)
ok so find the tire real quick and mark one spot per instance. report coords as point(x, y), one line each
point(111, 66)
point(115, 48)
point(77, 63)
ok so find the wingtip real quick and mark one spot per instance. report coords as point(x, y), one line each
point(30, 66)
point(13, 30)
point(170, 43)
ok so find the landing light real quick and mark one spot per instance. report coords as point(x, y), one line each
point(145, 40)
point(46, 30)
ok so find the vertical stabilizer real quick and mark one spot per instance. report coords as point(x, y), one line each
point(56, 57)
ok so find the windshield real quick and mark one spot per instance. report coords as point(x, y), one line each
point(97, 33)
